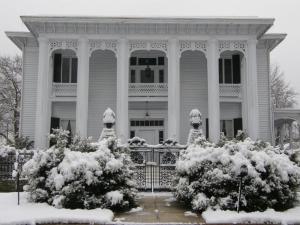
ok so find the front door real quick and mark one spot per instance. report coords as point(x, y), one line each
point(149, 135)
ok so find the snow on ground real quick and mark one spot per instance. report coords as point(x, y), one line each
point(189, 213)
point(137, 209)
point(290, 216)
point(31, 213)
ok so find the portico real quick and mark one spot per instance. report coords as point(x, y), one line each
point(180, 64)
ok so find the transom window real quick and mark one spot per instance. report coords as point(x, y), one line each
point(65, 69)
point(147, 123)
point(230, 70)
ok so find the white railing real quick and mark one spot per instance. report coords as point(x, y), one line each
point(230, 90)
point(148, 89)
point(64, 89)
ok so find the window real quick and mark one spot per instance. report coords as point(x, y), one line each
point(161, 76)
point(147, 61)
point(132, 134)
point(133, 61)
point(226, 127)
point(132, 76)
point(64, 69)
point(161, 61)
point(161, 136)
point(142, 123)
point(147, 76)
point(230, 70)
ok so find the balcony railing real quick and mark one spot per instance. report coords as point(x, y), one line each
point(148, 89)
point(64, 89)
point(230, 90)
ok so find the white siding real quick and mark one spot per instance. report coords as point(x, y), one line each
point(30, 71)
point(263, 94)
point(193, 89)
point(230, 110)
point(64, 110)
point(102, 89)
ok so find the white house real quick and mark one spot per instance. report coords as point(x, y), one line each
point(150, 71)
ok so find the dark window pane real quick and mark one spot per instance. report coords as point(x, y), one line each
point(57, 68)
point(161, 136)
point(132, 123)
point(142, 123)
point(132, 133)
point(151, 123)
point(220, 71)
point(66, 70)
point(161, 61)
point(228, 75)
point(236, 64)
point(223, 127)
point(74, 70)
point(161, 76)
point(132, 76)
point(156, 123)
point(133, 61)
point(147, 61)
point(237, 125)
point(137, 123)
point(147, 76)
point(147, 123)
point(161, 123)
point(207, 128)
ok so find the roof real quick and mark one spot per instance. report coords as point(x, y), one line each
point(254, 25)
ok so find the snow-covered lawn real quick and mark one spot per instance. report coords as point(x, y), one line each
point(31, 213)
point(290, 216)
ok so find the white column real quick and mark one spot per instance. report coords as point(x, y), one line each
point(122, 125)
point(42, 116)
point(252, 95)
point(173, 91)
point(82, 88)
point(213, 91)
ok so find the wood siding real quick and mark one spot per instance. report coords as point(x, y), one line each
point(263, 89)
point(28, 107)
point(102, 89)
point(193, 89)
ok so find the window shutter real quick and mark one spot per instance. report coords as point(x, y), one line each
point(236, 64)
point(237, 125)
point(74, 70)
point(220, 71)
point(206, 128)
point(227, 70)
point(57, 68)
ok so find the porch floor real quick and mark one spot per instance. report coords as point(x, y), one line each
point(158, 207)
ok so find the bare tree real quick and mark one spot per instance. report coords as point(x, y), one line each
point(10, 95)
point(283, 95)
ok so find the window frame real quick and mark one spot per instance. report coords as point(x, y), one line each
point(70, 65)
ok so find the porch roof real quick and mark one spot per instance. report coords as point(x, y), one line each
point(182, 25)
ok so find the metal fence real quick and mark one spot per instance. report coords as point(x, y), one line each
point(7, 163)
point(155, 167)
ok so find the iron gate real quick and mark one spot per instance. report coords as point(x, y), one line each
point(154, 166)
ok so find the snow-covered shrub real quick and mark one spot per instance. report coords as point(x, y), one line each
point(82, 178)
point(208, 176)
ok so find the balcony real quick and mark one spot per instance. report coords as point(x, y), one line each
point(64, 89)
point(148, 90)
point(230, 91)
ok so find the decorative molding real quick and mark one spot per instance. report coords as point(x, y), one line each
point(103, 45)
point(55, 44)
point(233, 46)
point(193, 46)
point(148, 45)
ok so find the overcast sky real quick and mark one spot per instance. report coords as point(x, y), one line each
point(285, 12)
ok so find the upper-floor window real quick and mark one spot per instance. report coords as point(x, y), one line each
point(64, 69)
point(230, 70)
point(140, 61)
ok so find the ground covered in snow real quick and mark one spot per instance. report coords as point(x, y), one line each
point(291, 216)
point(31, 213)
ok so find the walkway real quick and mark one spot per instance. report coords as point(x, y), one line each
point(158, 207)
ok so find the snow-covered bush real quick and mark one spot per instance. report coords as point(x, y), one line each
point(208, 176)
point(81, 178)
